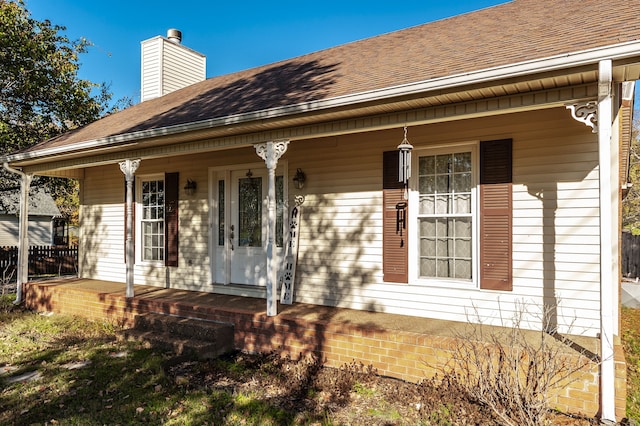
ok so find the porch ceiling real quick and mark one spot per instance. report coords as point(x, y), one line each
point(298, 122)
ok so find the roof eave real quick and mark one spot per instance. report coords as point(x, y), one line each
point(543, 65)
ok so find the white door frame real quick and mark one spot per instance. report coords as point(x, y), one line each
point(220, 258)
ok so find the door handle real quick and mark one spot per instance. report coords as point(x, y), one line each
point(231, 236)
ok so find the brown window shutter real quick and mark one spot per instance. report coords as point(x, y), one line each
point(394, 245)
point(125, 218)
point(495, 215)
point(171, 219)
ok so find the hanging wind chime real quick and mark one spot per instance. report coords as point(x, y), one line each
point(404, 165)
point(404, 173)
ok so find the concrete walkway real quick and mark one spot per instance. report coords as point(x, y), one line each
point(630, 295)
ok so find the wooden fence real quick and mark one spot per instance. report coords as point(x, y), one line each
point(43, 260)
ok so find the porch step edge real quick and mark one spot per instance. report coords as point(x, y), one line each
point(179, 345)
point(187, 327)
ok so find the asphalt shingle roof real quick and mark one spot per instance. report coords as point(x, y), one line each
point(521, 30)
point(40, 203)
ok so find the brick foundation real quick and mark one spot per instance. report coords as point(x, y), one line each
point(401, 354)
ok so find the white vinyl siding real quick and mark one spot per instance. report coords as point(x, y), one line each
point(555, 222)
point(181, 67)
point(40, 230)
point(151, 69)
point(340, 256)
point(102, 216)
point(168, 66)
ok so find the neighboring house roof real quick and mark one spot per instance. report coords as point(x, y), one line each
point(40, 203)
point(516, 32)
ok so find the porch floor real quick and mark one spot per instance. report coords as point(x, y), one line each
point(366, 321)
point(256, 306)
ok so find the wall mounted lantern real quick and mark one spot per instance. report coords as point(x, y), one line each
point(299, 179)
point(404, 164)
point(190, 187)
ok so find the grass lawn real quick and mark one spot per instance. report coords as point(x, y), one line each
point(85, 377)
point(68, 371)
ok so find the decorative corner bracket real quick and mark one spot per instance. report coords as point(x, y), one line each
point(271, 152)
point(586, 113)
point(129, 167)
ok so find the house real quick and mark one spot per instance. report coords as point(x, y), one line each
point(44, 218)
point(514, 117)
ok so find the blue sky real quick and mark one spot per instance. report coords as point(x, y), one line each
point(233, 35)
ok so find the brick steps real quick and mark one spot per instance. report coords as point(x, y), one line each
point(183, 336)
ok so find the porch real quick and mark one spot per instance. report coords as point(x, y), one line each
point(404, 347)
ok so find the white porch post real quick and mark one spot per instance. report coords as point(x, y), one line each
point(129, 167)
point(23, 231)
point(23, 236)
point(608, 270)
point(271, 152)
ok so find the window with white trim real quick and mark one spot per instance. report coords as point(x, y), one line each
point(445, 215)
point(152, 219)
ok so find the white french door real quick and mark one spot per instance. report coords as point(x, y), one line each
point(240, 216)
point(248, 227)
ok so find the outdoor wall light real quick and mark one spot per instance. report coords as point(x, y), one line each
point(299, 179)
point(190, 187)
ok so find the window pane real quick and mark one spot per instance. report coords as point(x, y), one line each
point(427, 184)
point(462, 203)
point(463, 269)
point(250, 212)
point(428, 227)
point(442, 228)
point(462, 182)
point(442, 268)
point(426, 165)
point(220, 212)
point(428, 246)
point(445, 215)
point(442, 204)
point(152, 225)
point(463, 248)
point(442, 164)
point(427, 204)
point(427, 267)
point(442, 247)
point(443, 184)
point(462, 162)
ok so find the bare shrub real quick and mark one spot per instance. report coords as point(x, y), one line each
point(299, 375)
point(341, 381)
point(515, 371)
point(7, 285)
